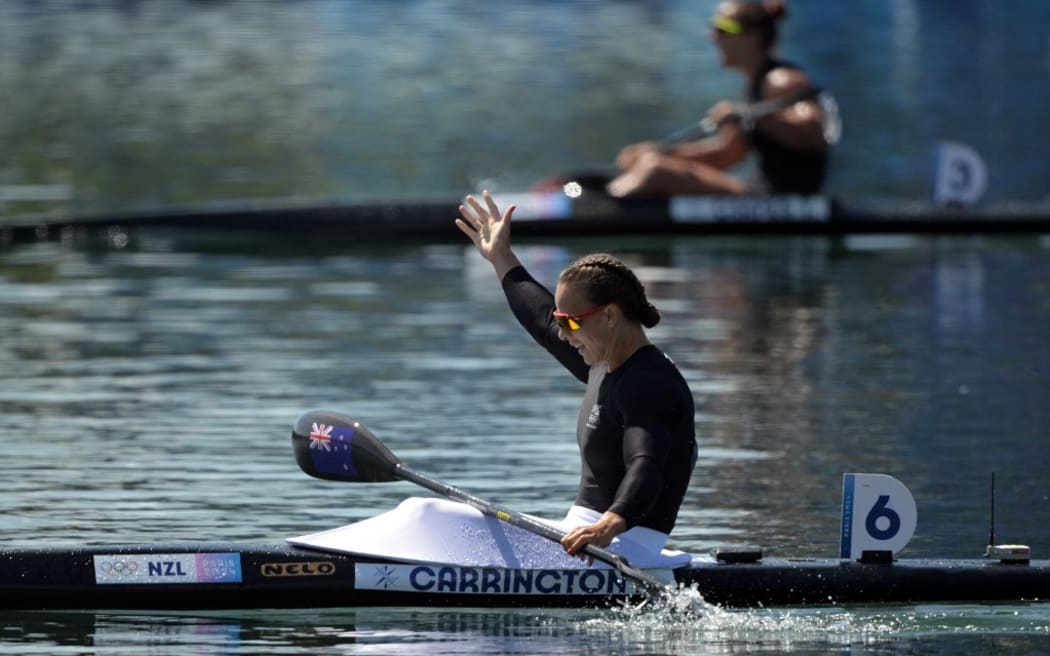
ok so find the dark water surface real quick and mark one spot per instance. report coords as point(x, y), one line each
point(147, 394)
point(147, 389)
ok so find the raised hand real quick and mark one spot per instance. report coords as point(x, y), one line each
point(489, 230)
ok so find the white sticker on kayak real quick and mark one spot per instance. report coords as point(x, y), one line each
point(878, 514)
point(457, 579)
point(750, 209)
point(536, 206)
point(139, 569)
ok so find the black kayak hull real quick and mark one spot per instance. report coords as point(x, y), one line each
point(544, 214)
point(189, 576)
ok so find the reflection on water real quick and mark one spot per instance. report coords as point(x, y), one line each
point(174, 375)
point(944, 629)
point(147, 394)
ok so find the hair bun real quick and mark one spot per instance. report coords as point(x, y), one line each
point(650, 315)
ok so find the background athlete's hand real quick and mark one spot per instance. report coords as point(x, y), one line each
point(489, 230)
point(629, 155)
point(723, 112)
point(600, 534)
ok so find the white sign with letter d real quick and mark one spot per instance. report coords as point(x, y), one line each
point(960, 176)
point(878, 514)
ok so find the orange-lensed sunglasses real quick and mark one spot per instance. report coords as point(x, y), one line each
point(571, 322)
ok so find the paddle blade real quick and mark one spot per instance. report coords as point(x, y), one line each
point(333, 446)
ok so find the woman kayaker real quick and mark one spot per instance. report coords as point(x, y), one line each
point(636, 424)
point(790, 143)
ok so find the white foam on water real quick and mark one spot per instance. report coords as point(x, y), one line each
point(684, 618)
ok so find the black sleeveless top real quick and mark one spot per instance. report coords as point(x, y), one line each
point(784, 170)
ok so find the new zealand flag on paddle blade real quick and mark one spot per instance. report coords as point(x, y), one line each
point(331, 450)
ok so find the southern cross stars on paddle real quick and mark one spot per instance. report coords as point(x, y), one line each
point(330, 449)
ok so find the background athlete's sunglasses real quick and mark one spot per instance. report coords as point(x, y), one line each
point(571, 322)
point(726, 25)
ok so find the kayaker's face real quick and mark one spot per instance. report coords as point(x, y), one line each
point(736, 44)
point(591, 336)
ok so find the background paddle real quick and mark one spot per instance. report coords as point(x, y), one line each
point(748, 113)
point(332, 446)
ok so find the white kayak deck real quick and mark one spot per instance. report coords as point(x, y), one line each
point(426, 530)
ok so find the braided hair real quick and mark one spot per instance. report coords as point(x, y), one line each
point(605, 279)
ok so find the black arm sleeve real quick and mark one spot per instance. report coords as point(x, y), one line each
point(532, 305)
point(644, 454)
point(647, 438)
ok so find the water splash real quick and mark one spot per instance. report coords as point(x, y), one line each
point(684, 618)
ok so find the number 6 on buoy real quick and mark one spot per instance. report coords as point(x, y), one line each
point(878, 514)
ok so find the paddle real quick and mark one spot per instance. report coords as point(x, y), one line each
point(335, 447)
point(748, 113)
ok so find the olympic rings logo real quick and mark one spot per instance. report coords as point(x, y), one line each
point(119, 568)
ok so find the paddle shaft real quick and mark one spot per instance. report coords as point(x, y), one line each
point(748, 112)
point(650, 583)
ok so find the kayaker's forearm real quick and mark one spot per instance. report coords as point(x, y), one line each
point(504, 262)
